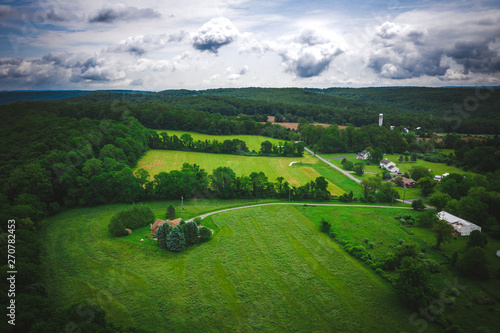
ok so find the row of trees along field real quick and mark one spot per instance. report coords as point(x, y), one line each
point(223, 183)
point(234, 146)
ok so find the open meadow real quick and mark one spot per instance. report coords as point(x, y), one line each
point(297, 174)
point(380, 233)
point(266, 269)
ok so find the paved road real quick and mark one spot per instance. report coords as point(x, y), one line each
point(334, 166)
point(296, 204)
point(341, 157)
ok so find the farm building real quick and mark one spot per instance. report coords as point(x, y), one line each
point(388, 165)
point(463, 227)
point(159, 222)
point(364, 155)
point(408, 182)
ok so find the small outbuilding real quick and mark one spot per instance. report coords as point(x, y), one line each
point(463, 227)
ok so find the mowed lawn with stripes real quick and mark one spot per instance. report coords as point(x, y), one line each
point(266, 269)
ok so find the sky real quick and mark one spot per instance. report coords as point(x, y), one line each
point(157, 45)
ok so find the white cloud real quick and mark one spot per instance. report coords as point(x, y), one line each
point(215, 34)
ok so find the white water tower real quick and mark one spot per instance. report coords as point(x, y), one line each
point(380, 119)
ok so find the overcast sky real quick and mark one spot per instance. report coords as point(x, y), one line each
point(200, 44)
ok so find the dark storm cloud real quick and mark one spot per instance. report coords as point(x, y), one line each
point(215, 34)
point(401, 52)
point(123, 13)
point(476, 56)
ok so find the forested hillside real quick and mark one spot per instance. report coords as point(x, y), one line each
point(460, 110)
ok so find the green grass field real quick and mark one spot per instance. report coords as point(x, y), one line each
point(267, 269)
point(253, 141)
point(363, 226)
point(156, 161)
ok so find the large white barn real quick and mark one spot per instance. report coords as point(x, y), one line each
point(463, 227)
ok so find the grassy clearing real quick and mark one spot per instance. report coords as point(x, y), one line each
point(253, 141)
point(267, 269)
point(156, 161)
point(378, 226)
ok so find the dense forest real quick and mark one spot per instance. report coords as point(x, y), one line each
point(460, 110)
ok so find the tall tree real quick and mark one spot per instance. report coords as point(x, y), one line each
point(170, 212)
point(443, 231)
point(414, 283)
point(176, 241)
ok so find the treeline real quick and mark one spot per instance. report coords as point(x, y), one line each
point(191, 181)
point(334, 140)
point(477, 155)
point(235, 146)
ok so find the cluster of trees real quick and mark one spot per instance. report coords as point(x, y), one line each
point(133, 218)
point(477, 155)
point(334, 140)
point(178, 238)
point(357, 167)
point(374, 189)
point(474, 198)
point(287, 149)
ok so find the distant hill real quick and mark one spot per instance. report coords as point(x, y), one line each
point(461, 110)
point(9, 96)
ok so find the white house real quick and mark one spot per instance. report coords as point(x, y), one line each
point(463, 227)
point(364, 155)
point(388, 165)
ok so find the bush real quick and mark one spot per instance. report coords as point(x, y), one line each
point(495, 231)
point(473, 263)
point(414, 284)
point(432, 266)
point(170, 212)
point(116, 227)
point(205, 234)
point(418, 205)
point(325, 226)
point(133, 218)
point(476, 238)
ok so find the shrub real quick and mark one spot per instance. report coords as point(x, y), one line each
point(170, 212)
point(116, 227)
point(133, 218)
point(205, 234)
point(432, 266)
point(476, 238)
point(418, 205)
point(473, 263)
point(414, 284)
point(495, 231)
point(325, 226)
